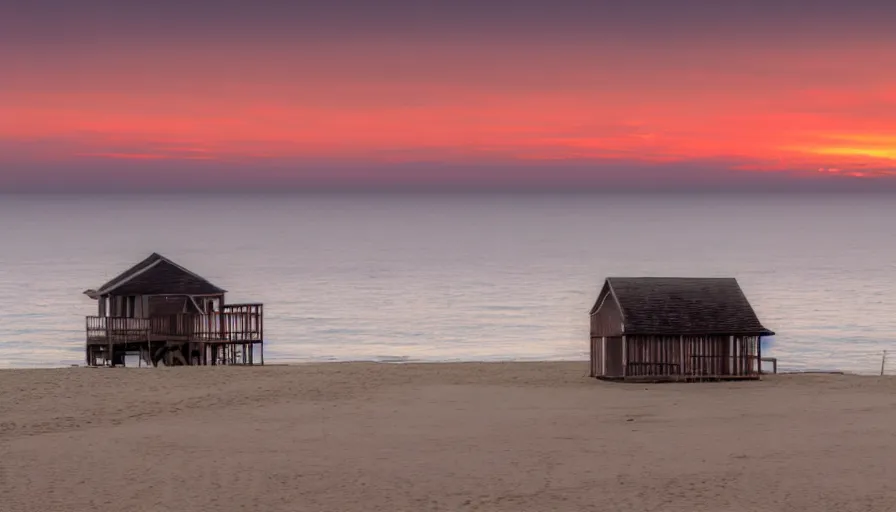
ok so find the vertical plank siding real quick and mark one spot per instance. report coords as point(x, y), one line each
point(607, 320)
point(716, 356)
point(597, 356)
point(613, 353)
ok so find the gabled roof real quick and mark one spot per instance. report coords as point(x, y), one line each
point(157, 275)
point(682, 305)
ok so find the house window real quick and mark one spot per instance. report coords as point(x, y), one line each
point(131, 306)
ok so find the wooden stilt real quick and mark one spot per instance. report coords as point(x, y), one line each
point(227, 335)
point(759, 355)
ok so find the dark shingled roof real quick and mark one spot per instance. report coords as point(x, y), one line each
point(154, 257)
point(684, 305)
point(157, 275)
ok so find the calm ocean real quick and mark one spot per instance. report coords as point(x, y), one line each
point(457, 277)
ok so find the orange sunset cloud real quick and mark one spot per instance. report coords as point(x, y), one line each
point(757, 107)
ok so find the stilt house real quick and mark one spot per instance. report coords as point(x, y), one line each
point(668, 329)
point(162, 312)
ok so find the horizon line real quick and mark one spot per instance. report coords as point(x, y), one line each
point(455, 191)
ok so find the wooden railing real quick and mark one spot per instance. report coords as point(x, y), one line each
point(737, 366)
point(101, 328)
point(636, 369)
point(700, 365)
point(244, 322)
point(236, 322)
point(175, 326)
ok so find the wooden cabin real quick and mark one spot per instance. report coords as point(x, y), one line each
point(671, 329)
point(163, 313)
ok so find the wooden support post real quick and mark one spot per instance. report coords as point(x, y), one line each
point(603, 356)
point(260, 310)
point(108, 358)
point(222, 321)
point(591, 355)
point(86, 342)
point(730, 367)
point(759, 355)
point(682, 367)
point(624, 357)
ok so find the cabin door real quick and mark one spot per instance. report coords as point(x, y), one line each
point(597, 354)
point(613, 351)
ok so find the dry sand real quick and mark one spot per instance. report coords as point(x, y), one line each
point(486, 437)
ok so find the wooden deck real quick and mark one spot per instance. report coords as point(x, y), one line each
point(230, 336)
point(749, 368)
point(237, 323)
point(645, 379)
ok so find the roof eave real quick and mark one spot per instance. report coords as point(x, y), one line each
point(181, 294)
point(764, 332)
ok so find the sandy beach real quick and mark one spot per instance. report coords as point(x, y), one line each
point(484, 437)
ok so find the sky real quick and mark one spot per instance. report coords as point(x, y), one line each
point(530, 95)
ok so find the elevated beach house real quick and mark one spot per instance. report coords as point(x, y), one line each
point(162, 312)
point(668, 329)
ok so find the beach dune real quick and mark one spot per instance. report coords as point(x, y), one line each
point(430, 437)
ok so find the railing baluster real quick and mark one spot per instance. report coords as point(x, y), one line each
point(234, 323)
